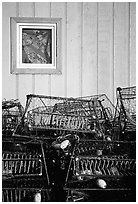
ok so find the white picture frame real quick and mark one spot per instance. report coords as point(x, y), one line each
point(35, 45)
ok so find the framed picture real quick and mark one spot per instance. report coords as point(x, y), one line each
point(35, 45)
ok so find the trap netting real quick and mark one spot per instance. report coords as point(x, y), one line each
point(104, 111)
point(64, 114)
point(24, 170)
point(108, 160)
point(115, 149)
point(22, 159)
point(12, 112)
point(21, 164)
point(125, 118)
point(104, 167)
point(105, 108)
point(24, 194)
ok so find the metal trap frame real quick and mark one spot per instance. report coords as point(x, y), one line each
point(125, 115)
point(12, 111)
point(104, 103)
point(50, 116)
point(105, 111)
point(24, 170)
point(112, 161)
point(23, 194)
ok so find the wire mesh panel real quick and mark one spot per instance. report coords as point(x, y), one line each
point(125, 119)
point(24, 194)
point(24, 170)
point(96, 158)
point(105, 166)
point(12, 111)
point(45, 113)
point(104, 111)
point(21, 164)
point(122, 149)
point(105, 107)
point(113, 163)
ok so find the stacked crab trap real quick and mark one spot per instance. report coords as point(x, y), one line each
point(51, 116)
point(105, 164)
point(74, 147)
point(125, 118)
point(12, 111)
point(24, 169)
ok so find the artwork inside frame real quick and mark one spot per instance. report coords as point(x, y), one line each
point(35, 45)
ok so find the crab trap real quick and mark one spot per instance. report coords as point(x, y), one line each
point(12, 112)
point(125, 115)
point(25, 195)
point(105, 107)
point(104, 111)
point(24, 171)
point(102, 166)
point(50, 116)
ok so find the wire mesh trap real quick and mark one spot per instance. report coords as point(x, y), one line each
point(24, 171)
point(24, 195)
point(97, 152)
point(95, 158)
point(113, 163)
point(104, 111)
point(12, 112)
point(47, 115)
point(107, 109)
point(125, 117)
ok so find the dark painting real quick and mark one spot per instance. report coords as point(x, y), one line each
point(37, 46)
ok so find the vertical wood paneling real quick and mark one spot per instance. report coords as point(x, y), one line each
point(89, 55)
point(42, 82)
point(26, 9)
point(8, 80)
point(132, 44)
point(17, 75)
point(105, 46)
point(121, 44)
point(25, 80)
point(98, 49)
point(58, 10)
point(73, 48)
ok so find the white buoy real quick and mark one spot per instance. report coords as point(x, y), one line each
point(101, 183)
point(38, 197)
point(64, 144)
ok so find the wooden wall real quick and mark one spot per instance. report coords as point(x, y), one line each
point(98, 49)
